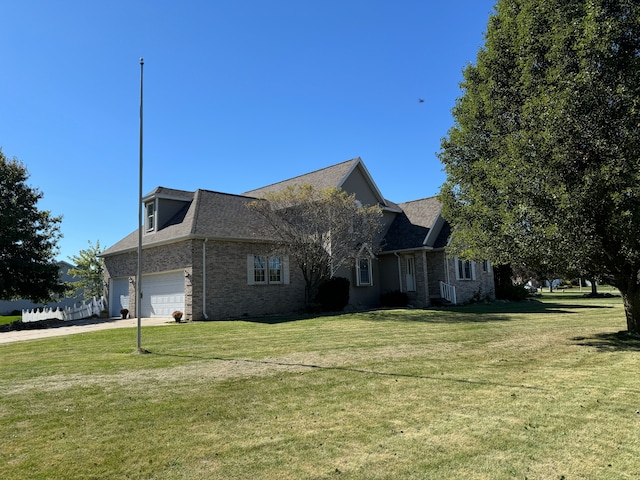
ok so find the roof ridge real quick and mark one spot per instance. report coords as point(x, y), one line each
point(419, 200)
point(355, 159)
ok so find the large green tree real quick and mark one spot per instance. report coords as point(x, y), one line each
point(543, 160)
point(89, 268)
point(28, 238)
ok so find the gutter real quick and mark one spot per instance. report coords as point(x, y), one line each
point(408, 250)
point(182, 238)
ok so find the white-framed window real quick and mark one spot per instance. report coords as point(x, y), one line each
point(259, 269)
point(363, 272)
point(411, 274)
point(150, 209)
point(267, 270)
point(486, 266)
point(465, 269)
point(275, 270)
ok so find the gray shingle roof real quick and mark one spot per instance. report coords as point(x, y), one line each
point(215, 215)
point(164, 192)
point(208, 215)
point(322, 179)
point(410, 228)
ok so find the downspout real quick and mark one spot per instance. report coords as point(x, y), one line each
point(399, 271)
point(204, 279)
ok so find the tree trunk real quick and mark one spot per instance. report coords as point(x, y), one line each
point(631, 300)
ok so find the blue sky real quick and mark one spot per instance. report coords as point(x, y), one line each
point(237, 95)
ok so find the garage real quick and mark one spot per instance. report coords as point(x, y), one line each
point(162, 294)
point(119, 297)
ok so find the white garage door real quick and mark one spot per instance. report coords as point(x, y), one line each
point(119, 297)
point(162, 294)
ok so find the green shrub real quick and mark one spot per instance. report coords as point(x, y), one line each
point(396, 299)
point(333, 294)
point(514, 292)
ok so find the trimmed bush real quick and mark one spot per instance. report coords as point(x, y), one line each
point(396, 299)
point(333, 294)
point(514, 292)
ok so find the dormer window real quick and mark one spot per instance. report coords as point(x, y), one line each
point(151, 214)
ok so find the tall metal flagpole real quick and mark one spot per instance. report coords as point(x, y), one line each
point(139, 273)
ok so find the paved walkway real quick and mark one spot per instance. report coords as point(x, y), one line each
point(80, 326)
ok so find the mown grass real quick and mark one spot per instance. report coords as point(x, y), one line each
point(4, 319)
point(543, 389)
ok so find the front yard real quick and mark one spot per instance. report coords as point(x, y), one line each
point(543, 389)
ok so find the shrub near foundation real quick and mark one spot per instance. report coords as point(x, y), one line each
point(333, 294)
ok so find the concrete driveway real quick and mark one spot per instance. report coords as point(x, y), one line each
point(80, 326)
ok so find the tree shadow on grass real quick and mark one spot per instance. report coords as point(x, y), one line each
point(476, 313)
point(622, 341)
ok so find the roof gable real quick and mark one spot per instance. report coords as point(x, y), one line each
point(351, 176)
point(418, 225)
point(215, 215)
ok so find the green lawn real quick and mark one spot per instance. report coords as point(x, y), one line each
point(539, 390)
point(4, 319)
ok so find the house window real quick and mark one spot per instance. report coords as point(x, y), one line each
point(275, 270)
point(465, 270)
point(259, 269)
point(363, 272)
point(486, 266)
point(150, 216)
point(264, 270)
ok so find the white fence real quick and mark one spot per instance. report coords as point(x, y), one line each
point(77, 312)
point(448, 292)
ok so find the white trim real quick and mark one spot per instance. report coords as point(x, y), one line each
point(486, 266)
point(285, 276)
point(359, 281)
point(153, 216)
point(434, 231)
point(458, 262)
point(277, 271)
point(399, 271)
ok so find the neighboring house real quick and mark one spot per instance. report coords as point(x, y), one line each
point(7, 307)
point(205, 253)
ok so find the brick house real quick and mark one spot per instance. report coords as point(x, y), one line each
point(205, 253)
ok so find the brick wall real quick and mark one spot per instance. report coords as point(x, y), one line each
point(481, 288)
point(159, 259)
point(228, 294)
